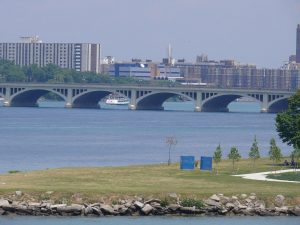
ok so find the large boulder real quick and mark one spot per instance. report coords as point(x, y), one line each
point(4, 202)
point(211, 202)
point(108, 210)
point(279, 200)
point(138, 204)
point(147, 209)
point(215, 198)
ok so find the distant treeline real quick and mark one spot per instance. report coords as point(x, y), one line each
point(9, 72)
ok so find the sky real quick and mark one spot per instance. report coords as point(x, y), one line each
point(261, 32)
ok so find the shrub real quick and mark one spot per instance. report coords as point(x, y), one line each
point(189, 202)
point(14, 171)
point(164, 202)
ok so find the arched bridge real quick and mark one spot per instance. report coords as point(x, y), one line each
point(141, 97)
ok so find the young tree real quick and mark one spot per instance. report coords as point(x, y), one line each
point(234, 155)
point(274, 152)
point(170, 141)
point(217, 157)
point(254, 151)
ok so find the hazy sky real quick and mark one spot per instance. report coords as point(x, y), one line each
point(261, 32)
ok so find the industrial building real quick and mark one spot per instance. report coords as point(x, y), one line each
point(143, 70)
point(77, 56)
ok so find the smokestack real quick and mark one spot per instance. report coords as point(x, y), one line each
point(170, 54)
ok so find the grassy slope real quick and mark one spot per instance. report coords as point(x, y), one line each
point(149, 180)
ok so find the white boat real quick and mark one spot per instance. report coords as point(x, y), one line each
point(117, 101)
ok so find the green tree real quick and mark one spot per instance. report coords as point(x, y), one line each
point(235, 156)
point(288, 122)
point(217, 157)
point(274, 152)
point(254, 151)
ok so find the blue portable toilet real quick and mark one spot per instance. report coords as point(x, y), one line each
point(206, 163)
point(187, 162)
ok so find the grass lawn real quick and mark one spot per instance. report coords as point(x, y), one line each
point(147, 180)
point(293, 176)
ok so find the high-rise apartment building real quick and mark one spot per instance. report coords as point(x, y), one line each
point(77, 56)
point(298, 45)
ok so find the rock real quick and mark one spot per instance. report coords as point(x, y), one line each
point(240, 207)
point(138, 204)
point(34, 204)
point(279, 200)
point(173, 207)
point(224, 200)
point(3, 202)
point(147, 209)
point(54, 207)
point(212, 203)
point(72, 209)
point(234, 198)
point(173, 195)
point(295, 211)
point(260, 204)
point(248, 200)
point(152, 201)
point(156, 205)
point(106, 209)
point(215, 198)
point(88, 210)
point(283, 209)
point(243, 196)
point(124, 211)
point(187, 210)
point(252, 197)
point(97, 211)
point(49, 192)
point(3, 212)
point(229, 205)
point(19, 193)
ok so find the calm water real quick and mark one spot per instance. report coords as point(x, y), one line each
point(52, 136)
point(151, 221)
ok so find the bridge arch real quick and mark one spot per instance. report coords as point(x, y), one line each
point(278, 105)
point(220, 102)
point(29, 97)
point(90, 99)
point(154, 100)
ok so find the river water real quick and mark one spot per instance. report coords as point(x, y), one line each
point(151, 221)
point(52, 136)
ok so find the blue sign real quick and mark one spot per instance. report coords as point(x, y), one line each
point(187, 162)
point(206, 163)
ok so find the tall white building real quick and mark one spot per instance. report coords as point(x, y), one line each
point(77, 56)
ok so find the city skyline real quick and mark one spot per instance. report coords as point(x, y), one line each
point(250, 31)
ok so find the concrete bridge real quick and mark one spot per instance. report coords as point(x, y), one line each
point(141, 97)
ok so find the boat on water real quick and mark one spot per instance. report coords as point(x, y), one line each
point(117, 100)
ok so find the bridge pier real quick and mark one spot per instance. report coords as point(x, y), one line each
point(132, 103)
point(264, 108)
point(198, 102)
point(69, 99)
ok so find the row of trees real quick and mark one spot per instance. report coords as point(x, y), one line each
point(9, 72)
point(254, 154)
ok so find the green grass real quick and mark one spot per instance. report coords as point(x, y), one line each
point(91, 184)
point(291, 176)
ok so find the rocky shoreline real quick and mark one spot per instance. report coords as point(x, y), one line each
point(216, 205)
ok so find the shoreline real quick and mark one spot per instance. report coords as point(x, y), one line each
point(215, 205)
